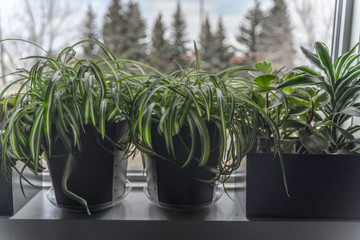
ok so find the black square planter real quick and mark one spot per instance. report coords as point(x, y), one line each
point(6, 198)
point(320, 186)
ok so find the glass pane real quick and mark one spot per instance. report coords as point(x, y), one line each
point(161, 33)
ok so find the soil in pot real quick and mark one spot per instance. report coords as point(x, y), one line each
point(172, 185)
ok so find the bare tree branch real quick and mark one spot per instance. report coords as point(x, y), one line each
point(2, 59)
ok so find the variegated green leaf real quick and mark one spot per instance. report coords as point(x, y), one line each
point(35, 137)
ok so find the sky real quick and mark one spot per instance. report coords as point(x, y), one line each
point(231, 11)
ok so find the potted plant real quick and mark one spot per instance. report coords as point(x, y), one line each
point(6, 199)
point(14, 192)
point(73, 112)
point(317, 125)
point(193, 133)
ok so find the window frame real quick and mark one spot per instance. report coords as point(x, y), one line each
point(346, 26)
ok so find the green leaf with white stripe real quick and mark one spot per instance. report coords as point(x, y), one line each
point(204, 137)
point(48, 106)
point(192, 129)
point(147, 125)
point(102, 116)
point(35, 137)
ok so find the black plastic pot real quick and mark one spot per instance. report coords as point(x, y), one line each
point(6, 198)
point(174, 186)
point(11, 197)
point(320, 186)
point(98, 175)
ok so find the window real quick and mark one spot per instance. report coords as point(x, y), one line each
point(161, 33)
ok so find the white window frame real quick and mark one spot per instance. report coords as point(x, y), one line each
point(346, 27)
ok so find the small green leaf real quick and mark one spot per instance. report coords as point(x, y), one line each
point(314, 143)
point(306, 91)
point(321, 98)
point(351, 111)
point(265, 80)
point(265, 67)
point(287, 90)
point(297, 100)
point(295, 122)
point(298, 110)
point(259, 99)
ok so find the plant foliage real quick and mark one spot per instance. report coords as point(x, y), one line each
point(313, 108)
point(64, 94)
point(194, 98)
point(334, 101)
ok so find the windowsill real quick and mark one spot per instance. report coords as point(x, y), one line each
point(136, 217)
point(136, 206)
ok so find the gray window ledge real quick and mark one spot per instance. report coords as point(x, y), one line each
point(137, 218)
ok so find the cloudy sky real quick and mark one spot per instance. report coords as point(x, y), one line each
point(232, 12)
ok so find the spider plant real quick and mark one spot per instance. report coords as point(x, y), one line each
point(196, 99)
point(6, 104)
point(63, 94)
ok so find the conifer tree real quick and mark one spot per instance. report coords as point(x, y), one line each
point(159, 46)
point(249, 31)
point(114, 28)
point(221, 50)
point(276, 40)
point(178, 37)
point(206, 43)
point(89, 32)
point(134, 45)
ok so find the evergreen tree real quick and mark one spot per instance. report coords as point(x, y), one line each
point(159, 46)
point(222, 51)
point(89, 32)
point(206, 43)
point(134, 44)
point(178, 37)
point(249, 32)
point(114, 28)
point(276, 40)
point(215, 53)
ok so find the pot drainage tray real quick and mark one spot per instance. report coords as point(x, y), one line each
point(51, 197)
point(218, 191)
